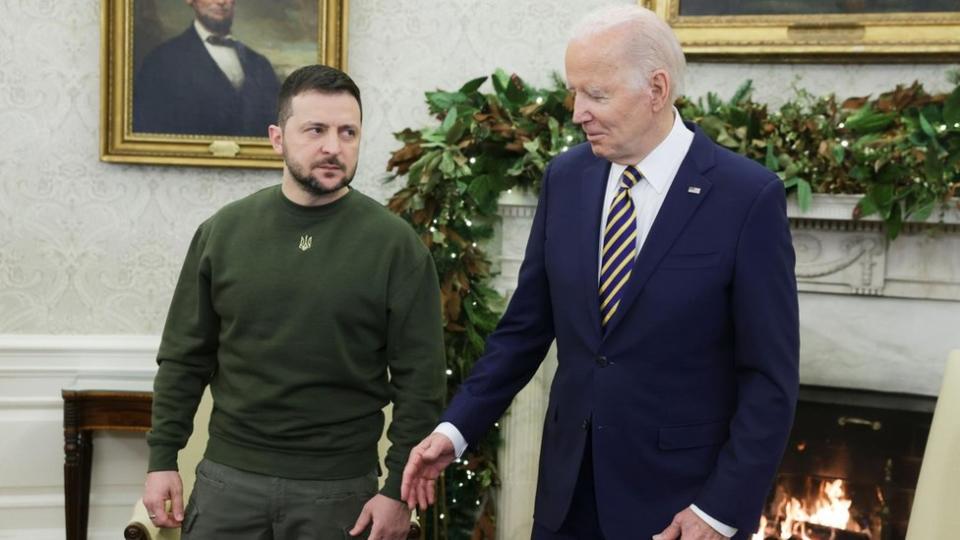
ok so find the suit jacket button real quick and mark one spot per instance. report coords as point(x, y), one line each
point(602, 361)
point(586, 425)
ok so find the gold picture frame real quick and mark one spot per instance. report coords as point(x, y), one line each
point(789, 31)
point(131, 29)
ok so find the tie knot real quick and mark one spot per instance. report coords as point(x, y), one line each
point(630, 177)
point(222, 41)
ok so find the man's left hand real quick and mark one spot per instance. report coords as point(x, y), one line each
point(688, 526)
point(391, 519)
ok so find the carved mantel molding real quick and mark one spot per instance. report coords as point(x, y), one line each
point(837, 254)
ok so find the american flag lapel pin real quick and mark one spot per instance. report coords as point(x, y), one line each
point(693, 189)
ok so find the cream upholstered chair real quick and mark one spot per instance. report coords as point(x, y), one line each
point(141, 528)
point(935, 513)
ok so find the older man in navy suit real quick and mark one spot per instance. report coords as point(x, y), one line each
point(205, 82)
point(662, 264)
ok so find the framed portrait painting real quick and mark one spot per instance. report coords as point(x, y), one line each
point(815, 30)
point(195, 82)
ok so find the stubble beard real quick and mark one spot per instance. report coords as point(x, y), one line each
point(311, 184)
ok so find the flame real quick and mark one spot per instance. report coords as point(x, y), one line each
point(831, 509)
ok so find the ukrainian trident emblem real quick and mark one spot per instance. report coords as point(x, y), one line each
point(306, 242)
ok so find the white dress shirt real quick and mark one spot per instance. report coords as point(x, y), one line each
point(225, 56)
point(658, 169)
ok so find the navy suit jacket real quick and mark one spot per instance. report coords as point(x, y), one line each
point(181, 89)
point(690, 391)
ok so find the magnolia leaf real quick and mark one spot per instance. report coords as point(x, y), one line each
point(926, 127)
point(742, 93)
point(933, 166)
point(860, 172)
point(500, 81)
point(472, 85)
point(804, 194)
point(770, 160)
point(441, 101)
point(894, 222)
point(854, 102)
point(725, 139)
point(867, 120)
point(456, 132)
point(448, 121)
point(951, 108)
point(839, 152)
point(516, 90)
point(865, 207)
point(882, 196)
point(922, 210)
point(484, 189)
point(447, 165)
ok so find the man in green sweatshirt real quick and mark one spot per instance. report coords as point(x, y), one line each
point(306, 307)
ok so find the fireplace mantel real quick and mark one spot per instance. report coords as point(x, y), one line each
point(836, 254)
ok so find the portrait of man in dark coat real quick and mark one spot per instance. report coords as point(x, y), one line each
point(205, 80)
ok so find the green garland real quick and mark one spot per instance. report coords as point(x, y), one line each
point(901, 150)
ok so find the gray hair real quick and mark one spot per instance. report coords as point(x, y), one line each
point(652, 44)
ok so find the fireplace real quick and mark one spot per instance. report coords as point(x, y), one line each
point(850, 468)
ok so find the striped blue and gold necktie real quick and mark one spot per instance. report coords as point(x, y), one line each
point(619, 246)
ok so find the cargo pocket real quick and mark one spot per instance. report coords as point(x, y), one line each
point(340, 511)
point(189, 517)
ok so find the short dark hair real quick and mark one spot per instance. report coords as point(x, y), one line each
point(315, 78)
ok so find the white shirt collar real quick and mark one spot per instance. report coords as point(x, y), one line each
point(662, 164)
point(204, 33)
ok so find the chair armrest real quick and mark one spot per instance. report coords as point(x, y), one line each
point(135, 531)
point(140, 527)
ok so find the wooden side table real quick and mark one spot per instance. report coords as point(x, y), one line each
point(86, 411)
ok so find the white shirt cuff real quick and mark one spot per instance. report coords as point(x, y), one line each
point(721, 528)
point(451, 432)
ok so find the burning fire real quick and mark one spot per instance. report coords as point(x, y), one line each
point(831, 508)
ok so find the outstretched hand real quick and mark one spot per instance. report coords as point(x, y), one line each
point(427, 460)
point(388, 519)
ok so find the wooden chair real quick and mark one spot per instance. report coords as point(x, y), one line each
point(141, 528)
point(935, 513)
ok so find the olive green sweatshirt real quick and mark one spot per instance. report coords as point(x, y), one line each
point(305, 322)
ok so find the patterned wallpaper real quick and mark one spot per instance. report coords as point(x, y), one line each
point(94, 248)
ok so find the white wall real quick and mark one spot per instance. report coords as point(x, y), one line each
point(88, 248)
point(94, 248)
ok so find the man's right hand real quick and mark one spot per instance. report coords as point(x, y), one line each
point(163, 486)
point(427, 460)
